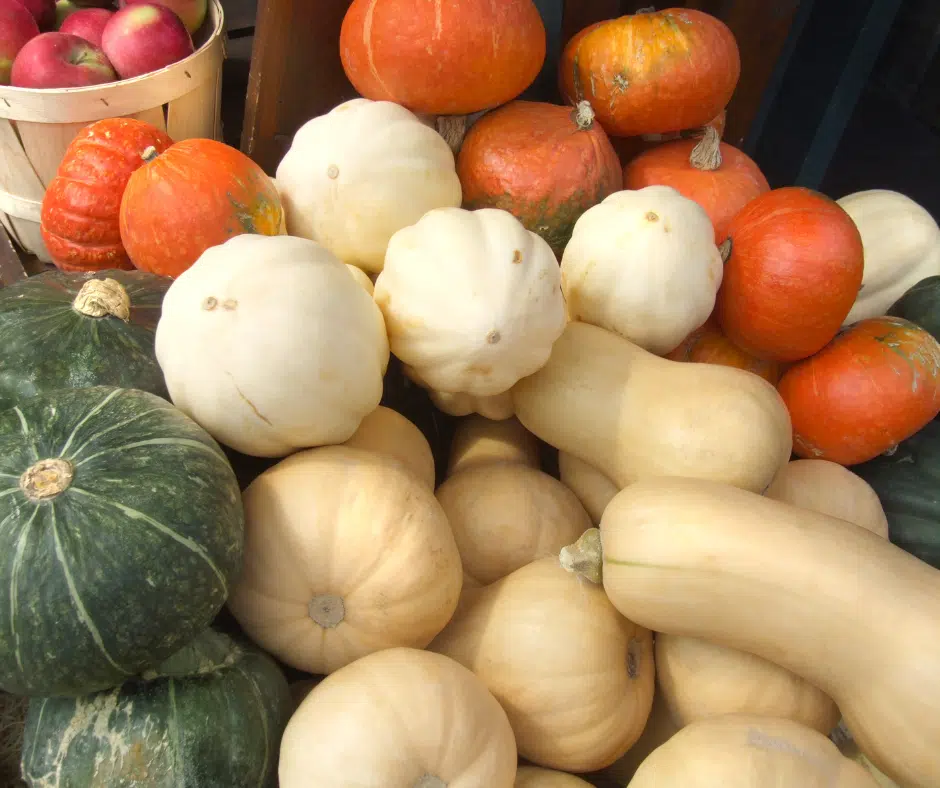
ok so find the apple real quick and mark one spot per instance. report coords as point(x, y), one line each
point(87, 23)
point(64, 9)
point(43, 12)
point(17, 26)
point(60, 60)
point(144, 37)
point(192, 12)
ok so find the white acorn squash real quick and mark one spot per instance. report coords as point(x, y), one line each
point(902, 246)
point(271, 345)
point(472, 300)
point(355, 176)
point(644, 265)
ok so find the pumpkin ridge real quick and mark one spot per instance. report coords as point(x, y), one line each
point(256, 691)
point(106, 430)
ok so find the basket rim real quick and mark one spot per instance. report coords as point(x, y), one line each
point(11, 98)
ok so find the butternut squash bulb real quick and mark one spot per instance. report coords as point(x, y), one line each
point(399, 718)
point(355, 176)
point(506, 516)
point(632, 415)
point(497, 407)
point(901, 241)
point(741, 751)
point(644, 265)
point(350, 553)
point(831, 602)
point(535, 777)
point(472, 300)
point(592, 487)
point(387, 432)
point(479, 441)
point(575, 677)
point(271, 346)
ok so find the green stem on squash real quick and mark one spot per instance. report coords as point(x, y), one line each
point(585, 557)
point(102, 298)
point(706, 155)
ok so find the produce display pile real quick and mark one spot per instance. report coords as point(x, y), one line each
point(683, 532)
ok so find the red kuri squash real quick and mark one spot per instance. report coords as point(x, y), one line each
point(447, 57)
point(652, 72)
point(79, 220)
point(794, 270)
point(196, 194)
point(716, 175)
point(707, 345)
point(545, 164)
point(628, 148)
point(875, 385)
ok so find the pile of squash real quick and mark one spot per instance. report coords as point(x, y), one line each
point(463, 454)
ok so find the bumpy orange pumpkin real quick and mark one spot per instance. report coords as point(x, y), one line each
point(545, 164)
point(628, 148)
point(79, 220)
point(196, 194)
point(652, 72)
point(447, 57)
point(707, 345)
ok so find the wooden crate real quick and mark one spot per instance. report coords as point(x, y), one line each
point(37, 126)
point(296, 73)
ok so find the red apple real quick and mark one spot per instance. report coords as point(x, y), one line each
point(192, 12)
point(63, 10)
point(43, 12)
point(87, 23)
point(17, 26)
point(60, 60)
point(145, 37)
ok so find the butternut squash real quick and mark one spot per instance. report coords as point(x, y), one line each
point(834, 603)
point(633, 415)
point(481, 441)
point(593, 489)
point(535, 777)
point(739, 751)
point(387, 432)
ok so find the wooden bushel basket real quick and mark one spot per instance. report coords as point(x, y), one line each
point(36, 126)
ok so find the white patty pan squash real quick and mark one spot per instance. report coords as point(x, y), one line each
point(272, 346)
point(902, 246)
point(472, 300)
point(644, 265)
point(358, 174)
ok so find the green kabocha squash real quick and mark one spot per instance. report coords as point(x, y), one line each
point(121, 530)
point(921, 305)
point(211, 716)
point(908, 485)
point(62, 330)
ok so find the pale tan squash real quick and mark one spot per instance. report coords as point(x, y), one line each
point(536, 777)
point(830, 488)
point(575, 677)
point(593, 489)
point(633, 415)
point(842, 738)
point(740, 751)
point(399, 718)
point(480, 441)
point(362, 278)
point(834, 603)
point(507, 515)
point(387, 432)
point(496, 407)
point(700, 679)
point(346, 553)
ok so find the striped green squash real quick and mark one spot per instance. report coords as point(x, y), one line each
point(69, 330)
point(121, 529)
point(211, 716)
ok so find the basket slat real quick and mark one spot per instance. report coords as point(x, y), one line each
point(155, 116)
point(186, 116)
point(19, 181)
point(45, 145)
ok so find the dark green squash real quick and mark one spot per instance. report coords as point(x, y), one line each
point(63, 330)
point(211, 716)
point(121, 530)
point(908, 485)
point(921, 305)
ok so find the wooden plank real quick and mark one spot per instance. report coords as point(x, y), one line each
point(296, 73)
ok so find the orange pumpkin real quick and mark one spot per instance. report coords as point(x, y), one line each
point(79, 219)
point(794, 270)
point(448, 57)
point(544, 163)
point(873, 386)
point(652, 72)
point(196, 194)
point(628, 148)
point(707, 345)
point(718, 176)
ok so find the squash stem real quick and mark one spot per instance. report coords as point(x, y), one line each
point(585, 557)
point(454, 128)
point(583, 115)
point(47, 479)
point(706, 156)
point(103, 298)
